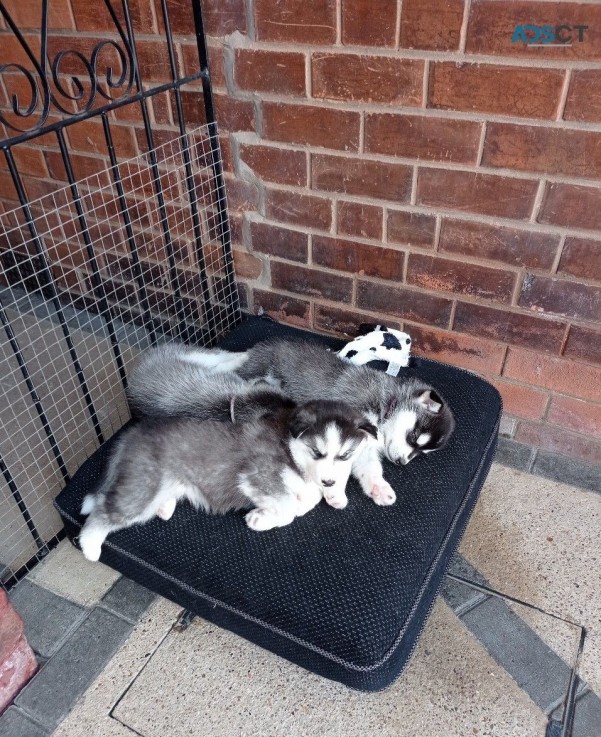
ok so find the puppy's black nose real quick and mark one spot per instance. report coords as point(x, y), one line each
point(328, 483)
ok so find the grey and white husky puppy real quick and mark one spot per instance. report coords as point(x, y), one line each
point(176, 380)
point(277, 466)
point(411, 417)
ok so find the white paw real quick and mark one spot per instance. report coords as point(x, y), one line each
point(259, 520)
point(338, 501)
point(90, 550)
point(382, 493)
point(166, 510)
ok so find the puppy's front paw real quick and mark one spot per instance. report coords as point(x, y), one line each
point(382, 493)
point(260, 520)
point(338, 501)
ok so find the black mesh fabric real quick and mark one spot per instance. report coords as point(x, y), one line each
point(342, 593)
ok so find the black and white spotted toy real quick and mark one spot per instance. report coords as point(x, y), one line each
point(379, 347)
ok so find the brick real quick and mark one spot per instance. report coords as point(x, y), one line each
point(581, 257)
point(431, 24)
point(362, 78)
point(283, 308)
point(30, 161)
point(486, 194)
point(572, 206)
point(406, 303)
point(298, 209)
point(88, 136)
point(521, 401)
point(233, 115)
point(509, 327)
point(361, 177)
point(344, 322)
point(153, 60)
point(459, 350)
point(219, 18)
point(48, 618)
point(128, 599)
point(411, 228)
point(530, 93)
point(83, 167)
point(283, 166)
point(246, 265)
point(422, 137)
point(276, 241)
point(562, 297)
point(547, 150)
point(583, 344)
point(508, 245)
point(557, 374)
point(28, 14)
point(576, 415)
point(492, 24)
point(568, 471)
point(356, 218)
point(312, 21)
point(358, 258)
point(368, 23)
point(11, 626)
point(584, 96)
point(311, 125)
point(276, 72)
point(438, 274)
point(15, 671)
point(559, 440)
point(56, 688)
point(512, 454)
point(311, 282)
point(191, 64)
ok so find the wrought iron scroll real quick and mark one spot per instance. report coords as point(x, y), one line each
point(48, 88)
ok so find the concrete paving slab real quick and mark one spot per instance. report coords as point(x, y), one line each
point(67, 573)
point(13, 723)
point(226, 686)
point(91, 714)
point(127, 599)
point(538, 540)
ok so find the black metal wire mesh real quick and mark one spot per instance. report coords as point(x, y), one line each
point(86, 285)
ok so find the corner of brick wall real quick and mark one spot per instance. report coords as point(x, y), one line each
point(405, 162)
point(17, 661)
point(400, 162)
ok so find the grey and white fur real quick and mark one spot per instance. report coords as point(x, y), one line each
point(411, 417)
point(175, 380)
point(277, 466)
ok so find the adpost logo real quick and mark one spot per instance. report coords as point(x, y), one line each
point(544, 36)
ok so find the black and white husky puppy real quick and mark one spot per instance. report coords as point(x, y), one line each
point(411, 417)
point(277, 466)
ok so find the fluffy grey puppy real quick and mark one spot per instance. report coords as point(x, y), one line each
point(411, 417)
point(278, 467)
point(175, 380)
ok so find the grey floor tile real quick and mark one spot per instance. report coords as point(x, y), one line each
point(513, 454)
point(458, 596)
point(128, 599)
point(568, 470)
point(48, 618)
point(13, 723)
point(531, 663)
point(587, 719)
point(51, 694)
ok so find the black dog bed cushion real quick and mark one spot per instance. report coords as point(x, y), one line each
point(342, 593)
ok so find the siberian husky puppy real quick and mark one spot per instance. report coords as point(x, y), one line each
point(279, 466)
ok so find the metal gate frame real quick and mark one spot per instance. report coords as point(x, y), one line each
point(48, 94)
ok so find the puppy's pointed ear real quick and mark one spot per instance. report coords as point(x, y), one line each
point(368, 428)
point(301, 420)
point(431, 401)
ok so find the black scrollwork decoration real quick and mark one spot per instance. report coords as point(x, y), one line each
point(99, 75)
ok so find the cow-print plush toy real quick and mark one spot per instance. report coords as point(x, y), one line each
point(379, 347)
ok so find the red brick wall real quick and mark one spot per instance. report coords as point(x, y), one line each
point(405, 162)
